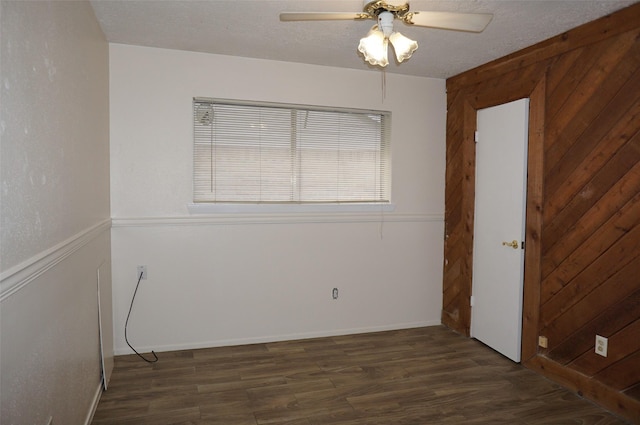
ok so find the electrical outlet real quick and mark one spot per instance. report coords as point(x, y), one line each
point(334, 293)
point(543, 341)
point(602, 345)
point(142, 270)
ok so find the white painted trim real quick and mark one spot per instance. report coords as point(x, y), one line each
point(227, 219)
point(276, 338)
point(238, 208)
point(17, 277)
point(94, 405)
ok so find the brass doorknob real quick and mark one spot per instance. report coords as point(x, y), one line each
point(513, 244)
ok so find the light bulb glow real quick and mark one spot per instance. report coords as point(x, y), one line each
point(374, 47)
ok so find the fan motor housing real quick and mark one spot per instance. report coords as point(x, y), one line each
point(374, 8)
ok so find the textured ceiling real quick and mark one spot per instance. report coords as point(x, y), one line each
point(251, 28)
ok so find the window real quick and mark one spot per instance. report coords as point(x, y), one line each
point(271, 153)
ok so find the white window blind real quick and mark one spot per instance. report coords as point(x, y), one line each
point(266, 153)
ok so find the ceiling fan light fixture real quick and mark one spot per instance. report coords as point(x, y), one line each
point(403, 46)
point(374, 47)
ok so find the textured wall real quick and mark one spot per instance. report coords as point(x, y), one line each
point(52, 129)
point(229, 279)
point(54, 209)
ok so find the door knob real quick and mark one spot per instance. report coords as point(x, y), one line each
point(513, 244)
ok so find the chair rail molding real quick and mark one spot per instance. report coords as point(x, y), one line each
point(20, 275)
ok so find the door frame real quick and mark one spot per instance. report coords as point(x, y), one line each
point(534, 200)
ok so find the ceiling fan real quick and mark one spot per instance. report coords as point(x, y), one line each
point(374, 46)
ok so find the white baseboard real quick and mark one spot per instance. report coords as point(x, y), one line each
point(94, 405)
point(276, 338)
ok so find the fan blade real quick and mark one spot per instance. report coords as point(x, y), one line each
point(471, 22)
point(322, 16)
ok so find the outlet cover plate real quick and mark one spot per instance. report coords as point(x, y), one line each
point(602, 345)
point(543, 342)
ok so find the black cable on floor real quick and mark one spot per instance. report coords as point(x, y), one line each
point(127, 323)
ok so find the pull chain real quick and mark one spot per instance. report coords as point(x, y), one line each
point(384, 84)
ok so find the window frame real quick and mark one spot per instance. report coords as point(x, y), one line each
point(385, 205)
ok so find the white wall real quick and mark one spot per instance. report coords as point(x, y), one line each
point(54, 209)
point(230, 279)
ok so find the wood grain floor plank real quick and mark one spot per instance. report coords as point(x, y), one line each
point(413, 377)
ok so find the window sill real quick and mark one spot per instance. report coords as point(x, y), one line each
point(211, 208)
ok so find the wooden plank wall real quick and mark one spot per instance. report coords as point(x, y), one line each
point(582, 261)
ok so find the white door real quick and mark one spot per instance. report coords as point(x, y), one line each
point(498, 243)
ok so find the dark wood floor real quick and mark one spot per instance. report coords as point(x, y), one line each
point(415, 376)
